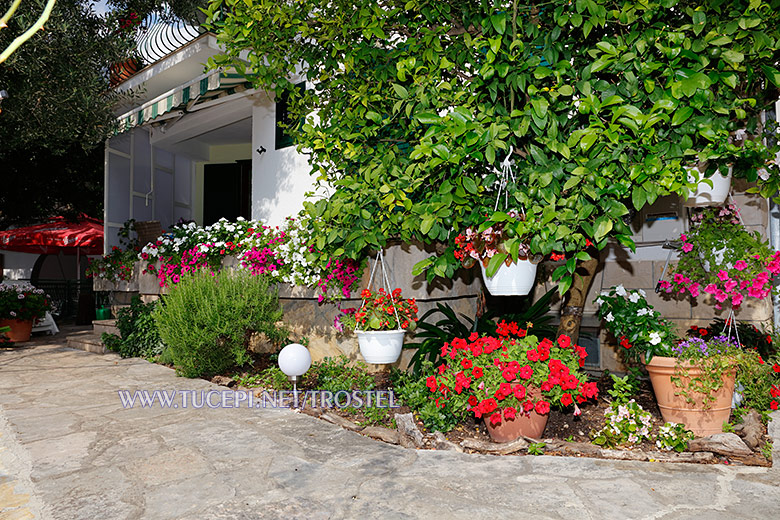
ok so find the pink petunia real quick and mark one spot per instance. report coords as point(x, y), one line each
point(740, 265)
point(723, 275)
point(687, 247)
point(736, 299)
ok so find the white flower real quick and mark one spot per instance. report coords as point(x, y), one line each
point(620, 290)
point(634, 297)
point(599, 302)
point(643, 293)
point(609, 317)
point(655, 338)
point(642, 312)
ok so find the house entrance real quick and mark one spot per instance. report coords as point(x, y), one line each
point(227, 191)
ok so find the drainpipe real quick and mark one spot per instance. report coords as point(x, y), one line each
point(774, 233)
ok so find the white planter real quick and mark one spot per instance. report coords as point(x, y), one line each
point(380, 347)
point(514, 280)
point(704, 195)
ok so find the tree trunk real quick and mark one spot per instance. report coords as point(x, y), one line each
point(571, 312)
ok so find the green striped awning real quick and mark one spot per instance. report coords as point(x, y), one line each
point(203, 88)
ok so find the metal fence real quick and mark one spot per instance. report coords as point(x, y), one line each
point(65, 295)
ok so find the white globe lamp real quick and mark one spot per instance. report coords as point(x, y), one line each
point(294, 360)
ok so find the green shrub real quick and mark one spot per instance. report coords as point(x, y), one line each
point(206, 320)
point(336, 374)
point(139, 335)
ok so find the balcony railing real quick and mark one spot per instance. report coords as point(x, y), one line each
point(161, 33)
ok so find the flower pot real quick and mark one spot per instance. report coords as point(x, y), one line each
point(20, 329)
point(515, 279)
point(531, 425)
point(380, 347)
point(704, 195)
point(701, 420)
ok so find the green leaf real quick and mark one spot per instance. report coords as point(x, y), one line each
point(494, 263)
point(566, 90)
point(540, 106)
point(470, 185)
point(681, 115)
point(772, 74)
point(427, 118)
point(400, 91)
point(603, 226)
point(499, 22)
point(733, 56)
point(426, 224)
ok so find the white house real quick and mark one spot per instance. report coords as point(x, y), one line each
point(198, 145)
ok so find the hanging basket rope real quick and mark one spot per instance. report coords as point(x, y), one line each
point(380, 261)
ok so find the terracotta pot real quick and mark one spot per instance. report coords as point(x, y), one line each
point(701, 420)
point(124, 70)
point(531, 425)
point(20, 329)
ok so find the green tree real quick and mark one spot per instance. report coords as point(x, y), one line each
point(414, 105)
point(58, 113)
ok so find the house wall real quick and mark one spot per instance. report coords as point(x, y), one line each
point(144, 182)
point(280, 178)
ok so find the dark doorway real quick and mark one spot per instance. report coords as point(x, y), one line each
point(227, 191)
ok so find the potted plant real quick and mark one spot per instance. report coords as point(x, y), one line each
point(20, 305)
point(508, 267)
point(720, 257)
point(691, 379)
point(711, 188)
point(380, 324)
point(511, 380)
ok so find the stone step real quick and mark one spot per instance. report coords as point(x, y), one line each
point(87, 342)
point(101, 326)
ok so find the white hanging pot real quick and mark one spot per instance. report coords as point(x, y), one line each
point(380, 347)
point(515, 279)
point(704, 195)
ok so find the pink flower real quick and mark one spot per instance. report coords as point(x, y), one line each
point(710, 288)
point(720, 296)
point(730, 285)
point(740, 265)
point(694, 289)
point(723, 275)
point(687, 247)
point(736, 299)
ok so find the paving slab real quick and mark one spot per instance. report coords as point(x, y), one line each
point(69, 449)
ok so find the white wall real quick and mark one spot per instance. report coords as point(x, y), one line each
point(280, 178)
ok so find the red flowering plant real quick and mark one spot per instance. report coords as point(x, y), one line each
point(499, 377)
point(379, 312)
point(720, 257)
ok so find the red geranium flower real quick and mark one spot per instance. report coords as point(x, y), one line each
point(542, 407)
point(566, 399)
point(776, 368)
point(473, 401)
point(773, 405)
point(431, 383)
point(510, 413)
point(495, 419)
point(564, 341)
point(526, 372)
point(477, 372)
point(519, 391)
point(465, 363)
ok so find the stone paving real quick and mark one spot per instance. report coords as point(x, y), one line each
point(69, 450)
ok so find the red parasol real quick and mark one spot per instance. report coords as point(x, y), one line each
point(84, 236)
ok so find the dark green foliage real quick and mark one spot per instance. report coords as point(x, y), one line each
point(433, 336)
point(206, 320)
point(58, 112)
point(602, 102)
point(138, 331)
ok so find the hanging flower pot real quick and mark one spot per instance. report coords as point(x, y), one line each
point(20, 330)
point(515, 279)
point(704, 194)
point(380, 347)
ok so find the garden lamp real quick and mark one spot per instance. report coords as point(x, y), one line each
point(294, 361)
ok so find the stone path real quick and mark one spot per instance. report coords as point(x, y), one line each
point(69, 450)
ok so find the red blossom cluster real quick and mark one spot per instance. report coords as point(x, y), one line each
point(380, 310)
point(510, 373)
